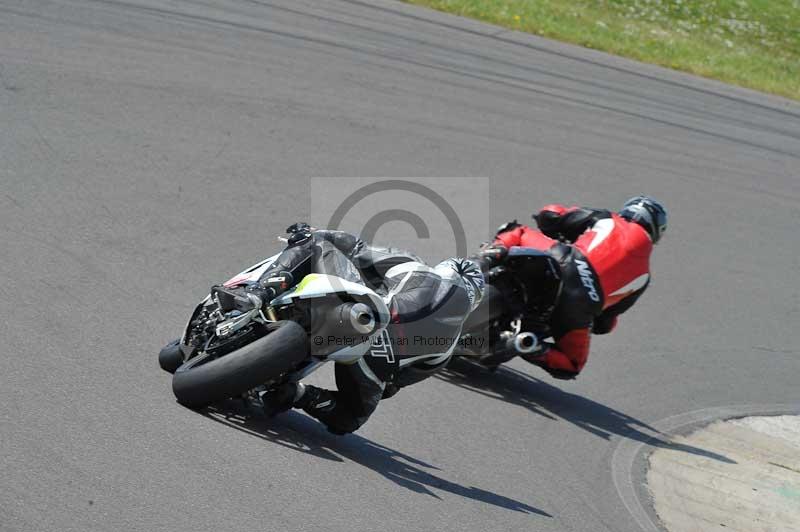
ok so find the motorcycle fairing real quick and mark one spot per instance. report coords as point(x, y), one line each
point(251, 274)
point(321, 285)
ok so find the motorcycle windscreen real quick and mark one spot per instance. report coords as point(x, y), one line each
point(251, 274)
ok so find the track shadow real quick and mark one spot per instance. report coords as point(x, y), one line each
point(518, 388)
point(304, 434)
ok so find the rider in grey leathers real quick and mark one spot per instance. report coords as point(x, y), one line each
point(428, 306)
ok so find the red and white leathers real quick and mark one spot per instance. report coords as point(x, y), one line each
point(605, 268)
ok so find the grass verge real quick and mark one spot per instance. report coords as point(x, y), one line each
point(752, 43)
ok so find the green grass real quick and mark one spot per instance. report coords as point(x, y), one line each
point(752, 43)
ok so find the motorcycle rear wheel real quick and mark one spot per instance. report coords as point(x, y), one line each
point(199, 383)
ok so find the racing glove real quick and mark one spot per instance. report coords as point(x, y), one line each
point(491, 255)
point(299, 227)
point(271, 287)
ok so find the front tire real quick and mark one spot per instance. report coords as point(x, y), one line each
point(197, 385)
point(170, 357)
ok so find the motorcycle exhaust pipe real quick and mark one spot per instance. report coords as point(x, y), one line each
point(348, 319)
point(523, 343)
point(360, 318)
point(510, 345)
point(341, 327)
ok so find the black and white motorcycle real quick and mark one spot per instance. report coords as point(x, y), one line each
point(236, 346)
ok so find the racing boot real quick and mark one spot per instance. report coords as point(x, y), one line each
point(297, 395)
point(540, 360)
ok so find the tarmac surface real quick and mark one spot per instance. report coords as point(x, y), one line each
point(150, 149)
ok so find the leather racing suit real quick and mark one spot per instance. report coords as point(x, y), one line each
point(428, 307)
point(605, 269)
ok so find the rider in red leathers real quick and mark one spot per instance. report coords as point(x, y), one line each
point(605, 267)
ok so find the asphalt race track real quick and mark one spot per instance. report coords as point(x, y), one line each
point(149, 149)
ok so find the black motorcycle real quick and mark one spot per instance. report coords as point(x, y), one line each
point(514, 314)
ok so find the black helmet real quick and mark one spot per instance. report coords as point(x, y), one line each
point(648, 213)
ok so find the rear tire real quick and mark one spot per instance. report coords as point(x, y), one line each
point(170, 357)
point(243, 369)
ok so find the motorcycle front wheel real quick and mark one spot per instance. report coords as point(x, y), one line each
point(170, 357)
point(200, 382)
